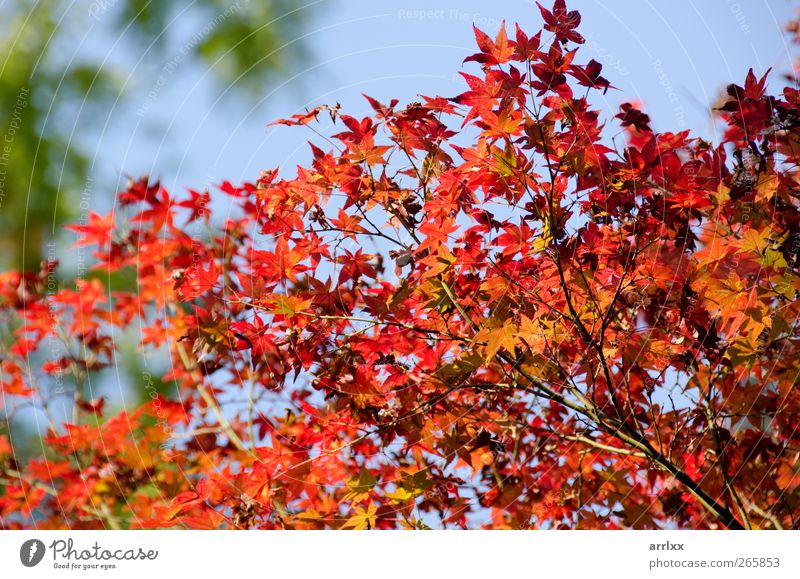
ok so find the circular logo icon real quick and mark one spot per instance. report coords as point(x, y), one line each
point(31, 553)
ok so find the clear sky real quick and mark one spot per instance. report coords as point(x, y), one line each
point(672, 55)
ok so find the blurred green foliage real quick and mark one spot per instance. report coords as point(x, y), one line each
point(245, 44)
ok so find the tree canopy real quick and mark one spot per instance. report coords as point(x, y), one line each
point(479, 311)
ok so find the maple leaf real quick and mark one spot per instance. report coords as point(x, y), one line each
point(589, 75)
point(526, 48)
point(497, 336)
point(288, 305)
point(360, 488)
point(197, 203)
point(97, 230)
point(141, 191)
point(494, 52)
point(364, 518)
point(307, 117)
point(196, 281)
point(633, 117)
point(562, 22)
point(348, 223)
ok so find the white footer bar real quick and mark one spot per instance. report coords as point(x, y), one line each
point(401, 554)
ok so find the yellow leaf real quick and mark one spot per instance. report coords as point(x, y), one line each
point(289, 305)
point(363, 519)
point(497, 338)
point(766, 187)
point(401, 495)
point(309, 515)
point(753, 241)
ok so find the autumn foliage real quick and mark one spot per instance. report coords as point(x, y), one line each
point(462, 312)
